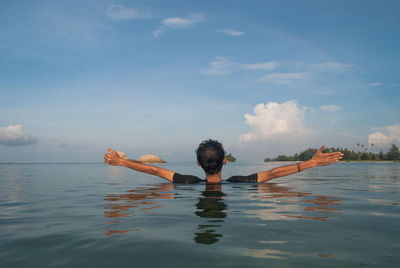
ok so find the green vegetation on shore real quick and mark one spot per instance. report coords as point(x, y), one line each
point(230, 158)
point(362, 155)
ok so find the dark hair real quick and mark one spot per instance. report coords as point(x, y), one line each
point(210, 155)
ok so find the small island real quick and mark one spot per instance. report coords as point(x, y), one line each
point(230, 158)
point(147, 158)
point(348, 155)
point(151, 158)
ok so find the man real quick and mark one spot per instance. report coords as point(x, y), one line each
point(211, 157)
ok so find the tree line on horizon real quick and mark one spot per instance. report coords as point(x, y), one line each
point(362, 154)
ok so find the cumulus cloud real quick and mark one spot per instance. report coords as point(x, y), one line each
point(385, 136)
point(230, 32)
point(223, 66)
point(178, 23)
point(281, 78)
point(13, 135)
point(375, 84)
point(330, 108)
point(119, 12)
point(273, 119)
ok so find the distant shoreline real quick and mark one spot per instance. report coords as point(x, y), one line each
point(370, 161)
point(283, 161)
point(40, 163)
point(383, 161)
point(362, 155)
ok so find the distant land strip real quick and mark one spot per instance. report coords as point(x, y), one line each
point(362, 154)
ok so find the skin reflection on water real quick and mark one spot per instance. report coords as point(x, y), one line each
point(274, 202)
point(210, 206)
point(286, 204)
point(283, 200)
point(144, 198)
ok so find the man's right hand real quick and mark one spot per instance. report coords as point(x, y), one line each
point(323, 159)
point(112, 158)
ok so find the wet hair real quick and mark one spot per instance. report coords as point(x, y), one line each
point(210, 155)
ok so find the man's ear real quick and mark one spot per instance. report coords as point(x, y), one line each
point(198, 163)
point(224, 161)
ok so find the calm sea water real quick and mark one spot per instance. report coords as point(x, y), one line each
point(93, 215)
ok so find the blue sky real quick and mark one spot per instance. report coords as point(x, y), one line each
point(263, 77)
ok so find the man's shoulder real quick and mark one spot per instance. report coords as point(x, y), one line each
point(250, 178)
point(179, 178)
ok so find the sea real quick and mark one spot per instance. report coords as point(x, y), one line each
point(94, 215)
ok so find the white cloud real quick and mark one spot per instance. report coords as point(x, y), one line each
point(281, 78)
point(375, 84)
point(178, 23)
point(385, 136)
point(219, 66)
point(223, 66)
point(330, 66)
point(379, 139)
point(330, 108)
point(230, 32)
point(119, 12)
point(266, 66)
point(13, 135)
point(273, 119)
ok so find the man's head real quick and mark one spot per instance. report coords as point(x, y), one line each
point(210, 156)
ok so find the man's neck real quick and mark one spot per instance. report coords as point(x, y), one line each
point(213, 178)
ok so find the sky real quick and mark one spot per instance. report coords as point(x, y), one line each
point(158, 77)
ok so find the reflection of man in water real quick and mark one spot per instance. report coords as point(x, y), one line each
point(211, 206)
point(211, 157)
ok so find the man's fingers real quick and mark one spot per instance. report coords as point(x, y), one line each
point(322, 148)
point(108, 157)
point(329, 159)
point(333, 158)
point(334, 153)
point(110, 150)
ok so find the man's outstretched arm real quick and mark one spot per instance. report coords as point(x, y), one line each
point(112, 158)
point(319, 159)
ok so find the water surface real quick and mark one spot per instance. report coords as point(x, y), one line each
point(64, 215)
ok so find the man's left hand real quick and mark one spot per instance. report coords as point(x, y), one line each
point(112, 158)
